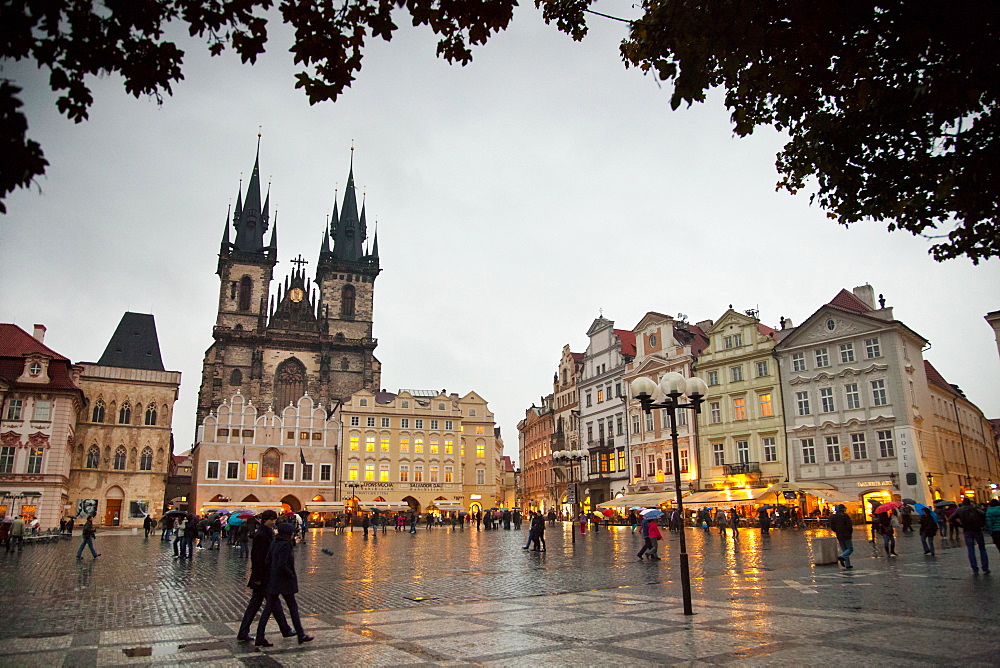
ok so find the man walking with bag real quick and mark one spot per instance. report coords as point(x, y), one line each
point(88, 538)
point(843, 527)
point(260, 576)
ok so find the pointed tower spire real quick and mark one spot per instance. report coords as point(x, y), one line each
point(347, 241)
point(325, 246)
point(225, 235)
point(375, 243)
point(273, 245)
point(364, 222)
point(267, 205)
point(251, 220)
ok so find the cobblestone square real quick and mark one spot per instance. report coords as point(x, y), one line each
point(758, 601)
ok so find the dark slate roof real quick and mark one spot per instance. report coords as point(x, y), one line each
point(134, 344)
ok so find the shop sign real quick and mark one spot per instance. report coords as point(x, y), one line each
point(376, 485)
point(875, 483)
point(424, 485)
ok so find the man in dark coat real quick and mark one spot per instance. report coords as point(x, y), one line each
point(538, 533)
point(148, 525)
point(259, 578)
point(282, 581)
point(843, 527)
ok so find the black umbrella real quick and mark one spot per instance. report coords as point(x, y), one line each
point(909, 501)
point(944, 503)
point(176, 513)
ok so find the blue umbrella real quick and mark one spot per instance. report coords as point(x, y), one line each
point(919, 507)
point(653, 514)
point(235, 520)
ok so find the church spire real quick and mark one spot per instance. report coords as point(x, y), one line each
point(349, 235)
point(251, 221)
point(324, 248)
point(225, 235)
point(273, 246)
point(375, 243)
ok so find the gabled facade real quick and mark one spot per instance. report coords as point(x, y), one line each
point(566, 421)
point(245, 455)
point(741, 424)
point(662, 345)
point(123, 446)
point(39, 400)
point(603, 411)
point(539, 487)
point(961, 454)
point(856, 401)
point(273, 344)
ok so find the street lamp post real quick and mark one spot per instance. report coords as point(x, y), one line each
point(353, 486)
point(570, 457)
point(674, 386)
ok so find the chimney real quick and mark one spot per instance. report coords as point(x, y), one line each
point(866, 293)
point(39, 333)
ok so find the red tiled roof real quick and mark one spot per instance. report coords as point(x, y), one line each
point(15, 342)
point(934, 376)
point(508, 466)
point(627, 338)
point(578, 357)
point(849, 302)
point(691, 335)
point(766, 331)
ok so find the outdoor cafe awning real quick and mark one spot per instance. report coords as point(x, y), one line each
point(726, 498)
point(447, 505)
point(645, 499)
point(325, 506)
point(832, 495)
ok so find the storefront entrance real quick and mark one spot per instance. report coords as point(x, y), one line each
point(113, 513)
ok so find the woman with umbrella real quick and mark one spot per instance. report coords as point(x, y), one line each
point(928, 529)
point(883, 524)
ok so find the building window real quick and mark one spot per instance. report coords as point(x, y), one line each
point(363, 402)
point(449, 425)
point(98, 414)
point(798, 361)
point(369, 444)
point(833, 449)
point(635, 424)
point(826, 399)
point(449, 446)
point(822, 358)
point(404, 423)
point(766, 405)
point(252, 470)
point(354, 442)
point(418, 473)
point(472, 412)
point(385, 423)
point(383, 473)
point(434, 424)
point(404, 473)
point(480, 476)
point(146, 459)
point(852, 395)
point(7, 458)
point(718, 454)
point(418, 445)
point(404, 445)
point(668, 469)
point(600, 395)
point(119, 460)
point(42, 411)
point(150, 415)
point(762, 369)
point(742, 452)
point(384, 444)
point(878, 393)
point(406, 403)
point(681, 418)
point(449, 474)
point(307, 472)
point(649, 422)
point(418, 423)
point(713, 378)
point(715, 412)
point(802, 402)
point(236, 378)
point(589, 401)
point(858, 446)
point(480, 450)
point(736, 373)
point(434, 446)
point(211, 470)
point(808, 451)
point(886, 448)
point(621, 461)
point(288, 471)
point(739, 408)
point(846, 352)
point(734, 341)
point(14, 409)
point(93, 458)
point(481, 430)
point(872, 348)
point(34, 460)
point(433, 471)
point(125, 414)
point(325, 472)
point(638, 467)
point(370, 421)
point(370, 472)
point(246, 291)
point(289, 383)
point(651, 465)
point(347, 300)
point(770, 450)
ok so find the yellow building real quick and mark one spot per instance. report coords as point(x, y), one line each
point(421, 450)
point(741, 424)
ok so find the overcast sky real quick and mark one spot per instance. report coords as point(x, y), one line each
point(515, 198)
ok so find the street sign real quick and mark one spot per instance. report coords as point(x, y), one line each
point(571, 493)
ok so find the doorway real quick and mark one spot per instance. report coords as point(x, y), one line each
point(113, 513)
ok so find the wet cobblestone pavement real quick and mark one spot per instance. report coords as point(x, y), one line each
point(486, 601)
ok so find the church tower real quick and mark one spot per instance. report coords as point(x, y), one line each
point(274, 345)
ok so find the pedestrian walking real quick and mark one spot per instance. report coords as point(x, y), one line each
point(843, 528)
point(583, 522)
point(538, 533)
point(365, 523)
point(260, 577)
point(906, 518)
point(283, 582)
point(88, 538)
point(69, 526)
point(148, 525)
point(734, 523)
point(953, 525)
point(17, 530)
point(764, 521)
point(5, 533)
point(928, 529)
point(883, 523)
point(993, 521)
point(168, 528)
point(721, 521)
point(413, 523)
point(972, 519)
point(653, 530)
point(190, 533)
point(531, 529)
point(646, 543)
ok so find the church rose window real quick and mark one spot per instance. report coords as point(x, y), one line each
point(289, 383)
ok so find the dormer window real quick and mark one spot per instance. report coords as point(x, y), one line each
point(35, 369)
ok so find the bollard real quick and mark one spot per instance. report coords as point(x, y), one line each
point(825, 550)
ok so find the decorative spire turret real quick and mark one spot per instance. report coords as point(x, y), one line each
point(375, 243)
point(349, 235)
point(225, 235)
point(251, 220)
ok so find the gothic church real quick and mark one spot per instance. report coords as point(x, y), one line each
point(274, 345)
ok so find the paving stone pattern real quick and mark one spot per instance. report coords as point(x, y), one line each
point(758, 602)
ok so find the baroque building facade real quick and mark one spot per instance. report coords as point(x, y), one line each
point(539, 488)
point(275, 344)
point(40, 400)
point(123, 443)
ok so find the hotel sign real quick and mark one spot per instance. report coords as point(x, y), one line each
point(875, 483)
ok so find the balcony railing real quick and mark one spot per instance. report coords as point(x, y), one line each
point(742, 468)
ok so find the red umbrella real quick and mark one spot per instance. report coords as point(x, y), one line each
point(608, 512)
point(887, 507)
point(245, 516)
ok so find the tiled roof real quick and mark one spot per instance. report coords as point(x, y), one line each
point(578, 357)
point(849, 302)
point(766, 331)
point(15, 342)
point(627, 339)
point(508, 466)
point(934, 376)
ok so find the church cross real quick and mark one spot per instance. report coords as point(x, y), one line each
point(299, 261)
